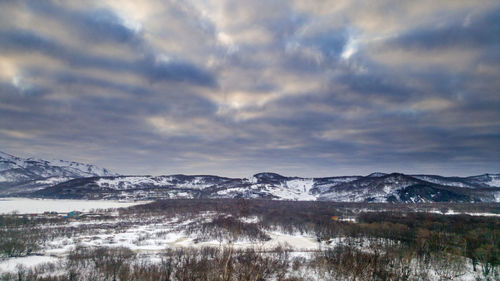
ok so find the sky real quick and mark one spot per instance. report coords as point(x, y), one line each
point(231, 88)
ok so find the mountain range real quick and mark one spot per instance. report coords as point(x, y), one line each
point(71, 180)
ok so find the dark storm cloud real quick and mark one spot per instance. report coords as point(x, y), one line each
point(311, 89)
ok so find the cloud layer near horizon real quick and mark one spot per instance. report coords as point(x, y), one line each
point(310, 88)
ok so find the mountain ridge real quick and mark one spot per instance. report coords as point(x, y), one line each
point(45, 179)
point(22, 174)
point(395, 187)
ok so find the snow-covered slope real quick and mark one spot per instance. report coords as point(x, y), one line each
point(448, 181)
point(20, 174)
point(492, 180)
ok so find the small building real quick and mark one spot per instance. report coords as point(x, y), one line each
point(73, 214)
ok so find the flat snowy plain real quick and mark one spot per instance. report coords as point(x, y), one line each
point(39, 206)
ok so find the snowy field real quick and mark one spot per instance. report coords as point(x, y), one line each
point(306, 246)
point(148, 236)
point(13, 264)
point(39, 206)
point(452, 212)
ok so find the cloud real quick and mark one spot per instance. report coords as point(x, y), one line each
point(16, 134)
point(154, 70)
point(177, 71)
point(432, 104)
point(303, 88)
point(473, 31)
point(95, 24)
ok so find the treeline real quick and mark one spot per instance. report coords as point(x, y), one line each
point(254, 205)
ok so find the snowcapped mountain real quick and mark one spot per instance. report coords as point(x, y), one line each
point(64, 179)
point(393, 187)
point(23, 175)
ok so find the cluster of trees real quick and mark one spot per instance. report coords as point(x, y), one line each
point(19, 236)
point(22, 235)
point(225, 228)
point(108, 264)
point(390, 242)
point(344, 262)
point(474, 237)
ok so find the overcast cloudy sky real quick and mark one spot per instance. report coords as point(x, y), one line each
point(309, 88)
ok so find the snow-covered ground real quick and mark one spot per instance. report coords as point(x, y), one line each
point(12, 264)
point(38, 206)
point(170, 233)
point(149, 236)
point(452, 212)
point(297, 189)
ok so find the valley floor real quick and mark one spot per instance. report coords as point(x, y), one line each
point(254, 240)
point(40, 206)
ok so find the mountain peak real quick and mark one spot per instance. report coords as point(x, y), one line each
point(268, 175)
point(376, 175)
